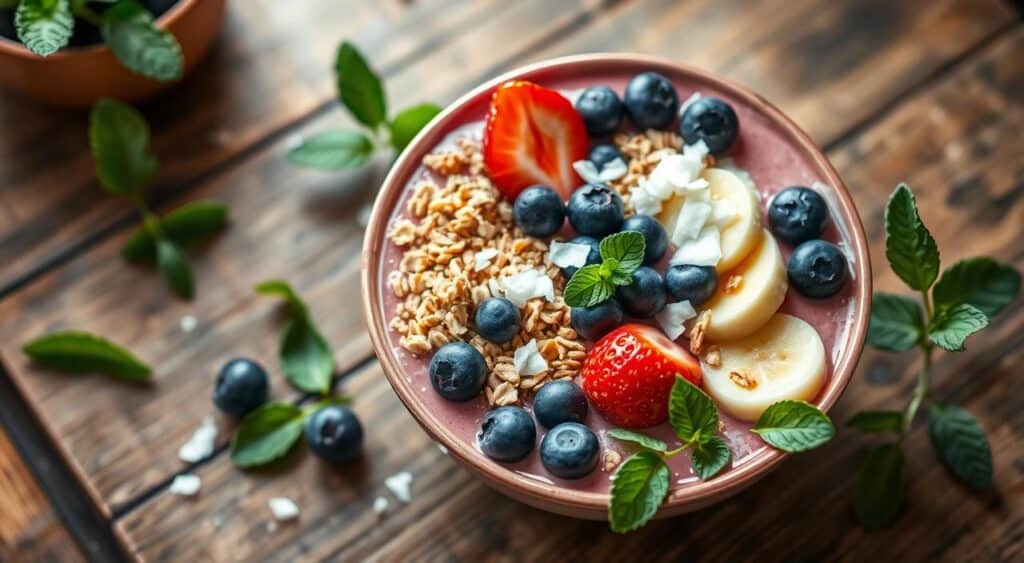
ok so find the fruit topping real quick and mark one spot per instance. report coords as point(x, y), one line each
point(507, 434)
point(686, 282)
point(673, 318)
point(645, 297)
point(241, 387)
point(817, 269)
point(458, 371)
point(710, 120)
point(569, 450)
point(539, 211)
point(532, 136)
point(573, 255)
point(594, 322)
point(497, 319)
point(655, 239)
point(524, 286)
point(651, 101)
point(527, 359)
point(559, 401)
point(604, 154)
point(797, 214)
point(595, 210)
point(334, 434)
point(629, 373)
point(601, 110)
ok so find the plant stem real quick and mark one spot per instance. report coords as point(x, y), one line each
point(85, 13)
point(920, 391)
point(149, 221)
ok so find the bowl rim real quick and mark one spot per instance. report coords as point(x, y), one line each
point(697, 494)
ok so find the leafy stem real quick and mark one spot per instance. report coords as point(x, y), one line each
point(920, 392)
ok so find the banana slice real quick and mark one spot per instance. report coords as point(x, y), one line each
point(731, 198)
point(783, 360)
point(749, 294)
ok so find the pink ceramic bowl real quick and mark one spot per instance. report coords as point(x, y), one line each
point(763, 121)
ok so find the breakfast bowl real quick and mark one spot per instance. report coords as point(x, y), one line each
point(408, 324)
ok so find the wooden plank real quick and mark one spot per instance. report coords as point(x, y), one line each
point(801, 511)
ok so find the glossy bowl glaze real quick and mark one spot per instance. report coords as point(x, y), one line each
point(572, 73)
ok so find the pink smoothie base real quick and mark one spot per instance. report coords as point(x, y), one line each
point(774, 159)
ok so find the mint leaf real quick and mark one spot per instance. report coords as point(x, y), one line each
point(909, 246)
point(875, 422)
point(408, 123)
point(332, 150)
point(174, 268)
point(588, 287)
point(119, 140)
point(691, 412)
point(187, 225)
point(359, 87)
point(282, 289)
point(139, 45)
point(637, 438)
point(44, 26)
point(266, 434)
point(81, 352)
point(306, 358)
point(794, 426)
point(626, 247)
point(880, 486)
point(951, 327)
point(896, 322)
point(638, 488)
point(981, 282)
point(961, 444)
point(709, 457)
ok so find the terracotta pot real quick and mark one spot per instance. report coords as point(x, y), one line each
point(77, 77)
point(575, 72)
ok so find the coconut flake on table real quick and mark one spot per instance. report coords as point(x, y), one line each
point(568, 254)
point(200, 445)
point(380, 505)
point(283, 508)
point(186, 485)
point(399, 485)
point(526, 285)
point(673, 318)
point(705, 250)
point(482, 259)
point(527, 359)
point(692, 218)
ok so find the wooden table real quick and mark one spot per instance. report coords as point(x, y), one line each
point(930, 92)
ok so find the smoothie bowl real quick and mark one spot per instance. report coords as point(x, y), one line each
point(571, 244)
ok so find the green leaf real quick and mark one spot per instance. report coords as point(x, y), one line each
point(951, 327)
point(187, 225)
point(140, 45)
point(44, 26)
point(306, 358)
point(643, 440)
point(794, 426)
point(408, 123)
point(81, 352)
point(266, 434)
point(626, 247)
point(119, 139)
point(282, 289)
point(709, 457)
point(174, 268)
point(588, 287)
point(880, 486)
point(333, 150)
point(875, 422)
point(961, 444)
point(909, 246)
point(982, 282)
point(359, 87)
point(896, 322)
point(691, 412)
point(638, 488)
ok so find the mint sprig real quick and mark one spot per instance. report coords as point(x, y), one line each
point(306, 358)
point(962, 302)
point(621, 255)
point(81, 352)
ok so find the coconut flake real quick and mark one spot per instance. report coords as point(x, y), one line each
point(526, 285)
point(568, 254)
point(673, 318)
point(399, 485)
point(692, 218)
point(689, 102)
point(645, 203)
point(283, 508)
point(527, 359)
point(495, 287)
point(705, 250)
point(614, 170)
point(186, 485)
point(722, 213)
point(482, 259)
point(380, 505)
point(200, 445)
point(588, 171)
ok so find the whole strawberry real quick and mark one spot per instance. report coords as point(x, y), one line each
point(629, 373)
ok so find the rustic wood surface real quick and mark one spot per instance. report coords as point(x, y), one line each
point(931, 93)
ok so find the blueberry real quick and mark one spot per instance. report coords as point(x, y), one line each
point(334, 433)
point(601, 110)
point(241, 386)
point(817, 269)
point(601, 155)
point(593, 257)
point(569, 450)
point(797, 214)
point(559, 401)
point(497, 319)
point(655, 237)
point(539, 211)
point(651, 101)
point(695, 284)
point(594, 322)
point(458, 371)
point(595, 210)
point(710, 120)
point(507, 434)
point(645, 297)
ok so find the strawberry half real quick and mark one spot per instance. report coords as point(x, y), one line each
point(629, 374)
point(532, 136)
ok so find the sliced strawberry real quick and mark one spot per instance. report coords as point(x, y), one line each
point(532, 136)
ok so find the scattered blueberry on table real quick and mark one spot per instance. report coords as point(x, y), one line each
point(651, 101)
point(569, 450)
point(559, 401)
point(497, 319)
point(817, 269)
point(241, 386)
point(601, 109)
point(645, 297)
point(334, 434)
point(686, 282)
point(507, 434)
point(458, 371)
point(797, 214)
point(595, 210)
point(539, 211)
point(710, 120)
